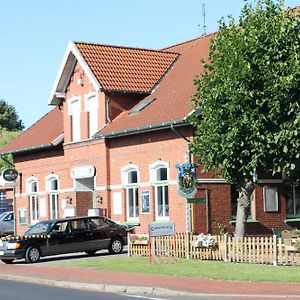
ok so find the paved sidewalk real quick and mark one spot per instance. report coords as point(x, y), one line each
point(146, 284)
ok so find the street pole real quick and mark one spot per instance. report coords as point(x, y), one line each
point(187, 211)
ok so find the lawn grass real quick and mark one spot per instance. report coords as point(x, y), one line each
point(193, 268)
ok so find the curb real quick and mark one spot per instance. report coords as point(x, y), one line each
point(135, 290)
point(119, 289)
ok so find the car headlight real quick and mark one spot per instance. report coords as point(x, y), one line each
point(13, 246)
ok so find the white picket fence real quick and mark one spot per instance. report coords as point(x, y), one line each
point(259, 250)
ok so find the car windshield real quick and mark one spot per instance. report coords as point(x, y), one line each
point(2, 215)
point(39, 228)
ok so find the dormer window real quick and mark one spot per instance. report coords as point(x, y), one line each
point(74, 113)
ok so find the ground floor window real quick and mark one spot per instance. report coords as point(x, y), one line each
point(234, 198)
point(293, 199)
point(54, 208)
point(22, 215)
point(162, 201)
point(132, 200)
point(3, 202)
point(34, 208)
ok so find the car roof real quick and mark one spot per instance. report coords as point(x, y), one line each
point(76, 218)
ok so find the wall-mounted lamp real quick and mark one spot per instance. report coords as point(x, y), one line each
point(69, 199)
point(99, 199)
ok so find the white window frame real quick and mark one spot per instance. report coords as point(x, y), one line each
point(33, 199)
point(163, 184)
point(53, 195)
point(75, 113)
point(131, 186)
point(271, 205)
point(294, 202)
point(92, 107)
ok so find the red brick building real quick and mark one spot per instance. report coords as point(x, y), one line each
point(118, 128)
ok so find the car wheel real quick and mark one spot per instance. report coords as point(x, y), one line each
point(7, 261)
point(91, 252)
point(32, 254)
point(115, 246)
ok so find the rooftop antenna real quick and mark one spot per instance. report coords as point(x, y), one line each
point(203, 16)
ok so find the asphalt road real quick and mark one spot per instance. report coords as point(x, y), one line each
point(15, 290)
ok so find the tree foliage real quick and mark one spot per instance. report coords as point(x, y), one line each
point(9, 118)
point(248, 98)
point(5, 138)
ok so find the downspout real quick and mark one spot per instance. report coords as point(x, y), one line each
point(108, 119)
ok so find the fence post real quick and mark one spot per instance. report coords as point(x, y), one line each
point(225, 247)
point(128, 245)
point(274, 250)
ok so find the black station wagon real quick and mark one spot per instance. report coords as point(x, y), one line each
point(80, 234)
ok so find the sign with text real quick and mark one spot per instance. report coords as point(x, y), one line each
point(10, 174)
point(197, 200)
point(160, 229)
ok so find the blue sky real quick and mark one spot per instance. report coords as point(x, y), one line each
point(34, 35)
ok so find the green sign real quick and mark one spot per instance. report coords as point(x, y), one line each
point(197, 200)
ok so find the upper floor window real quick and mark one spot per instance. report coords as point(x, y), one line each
point(74, 113)
point(159, 174)
point(293, 199)
point(91, 106)
point(130, 180)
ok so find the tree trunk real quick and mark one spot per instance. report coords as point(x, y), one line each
point(245, 192)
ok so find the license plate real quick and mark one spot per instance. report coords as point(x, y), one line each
point(1, 253)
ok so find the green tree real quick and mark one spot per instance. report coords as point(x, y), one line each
point(9, 118)
point(247, 103)
point(5, 138)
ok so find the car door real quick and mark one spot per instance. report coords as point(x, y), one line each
point(59, 239)
point(102, 233)
point(7, 224)
point(81, 235)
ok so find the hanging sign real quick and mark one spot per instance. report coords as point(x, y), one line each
point(187, 179)
point(10, 174)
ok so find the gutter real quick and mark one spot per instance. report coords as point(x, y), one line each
point(29, 149)
point(142, 129)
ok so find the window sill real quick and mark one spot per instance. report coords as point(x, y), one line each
point(291, 220)
point(249, 221)
point(135, 223)
point(161, 221)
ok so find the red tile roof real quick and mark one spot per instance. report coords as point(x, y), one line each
point(124, 68)
point(172, 95)
point(41, 134)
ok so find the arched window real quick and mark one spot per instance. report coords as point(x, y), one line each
point(32, 191)
point(159, 174)
point(74, 113)
point(91, 107)
point(130, 180)
point(53, 190)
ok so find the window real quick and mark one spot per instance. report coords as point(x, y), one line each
point(22, 216)
point(130, 182)
point(293, 199)
point(3, 202)
point(53, 198)
point(271, 199)
point(91, 106)
point(234, 203)
point(74, 113)
point(32, 190)
point(160, 180)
